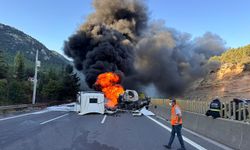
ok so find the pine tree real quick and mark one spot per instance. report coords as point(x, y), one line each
point(19, 66)
point(51, 91)
point(70, 84)
point(50, 85)
point(3, 66)
point(19, 92)
point(53, 75)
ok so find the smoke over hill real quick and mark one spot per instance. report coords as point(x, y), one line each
point(118, 37)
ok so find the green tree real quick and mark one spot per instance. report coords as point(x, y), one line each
point(19, 92)
point(59, 86)
point(29, 72)
point(3, 66)
point(45, 78)
point(239, 55)
point(3, 91)
point(19, 66)
point(52, 74)
point(70, 84)
point(51, 91)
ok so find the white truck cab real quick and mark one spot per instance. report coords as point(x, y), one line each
point(90, 102)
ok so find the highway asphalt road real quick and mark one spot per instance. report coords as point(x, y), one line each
point(55, 130)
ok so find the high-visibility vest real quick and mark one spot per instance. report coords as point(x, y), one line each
point(174, 117)
point(218, 110)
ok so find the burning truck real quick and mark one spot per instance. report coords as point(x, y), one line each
point(111, 97)
point(130, 100)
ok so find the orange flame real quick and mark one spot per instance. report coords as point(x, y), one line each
point(108, 84)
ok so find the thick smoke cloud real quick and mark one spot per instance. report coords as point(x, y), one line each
point(172, 60)
point(117, 37)
point(106, 41)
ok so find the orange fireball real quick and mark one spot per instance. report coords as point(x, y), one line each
point(109, 85)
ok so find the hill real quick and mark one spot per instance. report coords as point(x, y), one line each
point(13, 40)
point(239, 55)
point(230, 80)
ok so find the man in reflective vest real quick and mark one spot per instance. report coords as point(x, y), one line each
point(176, 122)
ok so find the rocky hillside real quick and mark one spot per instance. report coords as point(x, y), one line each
point(230, 80)
point(13, 40)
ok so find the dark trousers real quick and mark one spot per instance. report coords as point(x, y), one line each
point(176, 129)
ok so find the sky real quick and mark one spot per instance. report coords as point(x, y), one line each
point(52, 21)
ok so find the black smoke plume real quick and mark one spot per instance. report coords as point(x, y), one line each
point(117, 37)
point(106, 41)
point(172, 60)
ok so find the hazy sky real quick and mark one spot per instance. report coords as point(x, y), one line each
point(53, 21)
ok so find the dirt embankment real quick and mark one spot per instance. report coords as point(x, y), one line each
point(228, 82)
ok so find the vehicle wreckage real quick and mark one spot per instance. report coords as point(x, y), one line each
point(94, 102)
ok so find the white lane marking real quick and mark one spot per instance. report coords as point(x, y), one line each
point(159, 117)
point(209, 140)
point(103, 120)
point(202, 137)
point(15, 116)
point(40, 112)
point(197, 146)
point(53, 119)
point(18, 116)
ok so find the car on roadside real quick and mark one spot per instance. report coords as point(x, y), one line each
point(245, 104)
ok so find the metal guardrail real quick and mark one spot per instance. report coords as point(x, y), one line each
point(229, 110)
point(4, 109)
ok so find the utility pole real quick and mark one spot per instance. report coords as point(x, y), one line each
point(37, 63)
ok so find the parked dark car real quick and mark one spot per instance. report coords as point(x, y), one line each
point(237, 101)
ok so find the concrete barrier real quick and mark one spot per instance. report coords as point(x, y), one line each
point(232, 133)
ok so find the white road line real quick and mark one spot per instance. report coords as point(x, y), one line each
point(15, 116)
point(40, 112)
point(103, 120)
point(202, 137)
point(159, 117)
point(18, 116)
point(197, 146)
point(209, 140)
point(53, 119)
